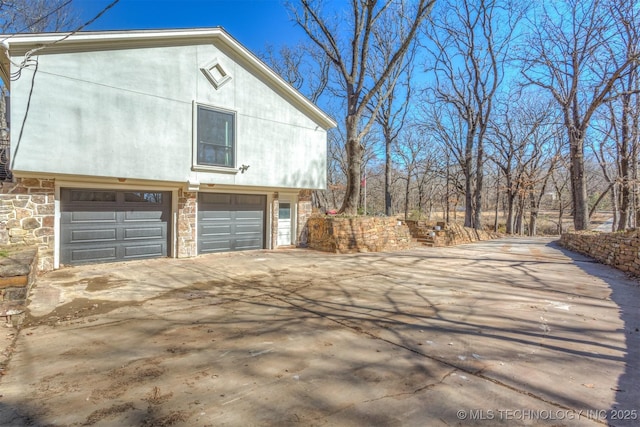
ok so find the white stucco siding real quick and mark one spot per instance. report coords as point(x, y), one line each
point(129, 114)
point(282, 146)
point(104, 114)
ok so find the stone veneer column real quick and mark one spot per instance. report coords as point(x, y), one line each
point(187, 211)
point(27, 215)
point(305, 209)
point(275, 214)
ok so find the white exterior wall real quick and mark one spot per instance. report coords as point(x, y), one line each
point(129, 114)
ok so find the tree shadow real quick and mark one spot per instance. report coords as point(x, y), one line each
point(625, 292)
point(294, 337)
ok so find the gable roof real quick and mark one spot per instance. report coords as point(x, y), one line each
point(19, 44)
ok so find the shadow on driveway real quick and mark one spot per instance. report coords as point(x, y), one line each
point(470, 335)
point(625, 291)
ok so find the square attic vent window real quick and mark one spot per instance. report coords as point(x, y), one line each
point(216, 75)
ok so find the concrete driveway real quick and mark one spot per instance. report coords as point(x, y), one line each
point(506, 332)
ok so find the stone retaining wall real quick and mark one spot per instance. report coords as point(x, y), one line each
point(448, 235)
point(357, 234)
point(620, 250)
point(18, 268)
point(27, 216)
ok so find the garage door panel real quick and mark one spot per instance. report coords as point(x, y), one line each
point(87, 216)
point(143, 251)
point(101, 226)
point(145, 216)
point(248, 228)
point(243, 244)
point(216, 215)
point(210, 246)
point(88, 235)
point(230, 222)
point(80, 255)
point(215, 229)
point(249, 215)
point(145, 233)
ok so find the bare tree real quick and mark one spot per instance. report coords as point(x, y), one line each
point(348, 48)
point(33, 16)
point(448, 130)
point(304, 67)
point(522, 141)
point(623, 118)
point(470, 43)
point(394, 107)
point(417, 161)
point(570, 52)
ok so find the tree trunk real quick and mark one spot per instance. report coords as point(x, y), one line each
point(635, 176)
point(477, 218)
point(624, 169)
point(468, 198)
point(468, 178)
point(354, 167)
point(560, 215)
point(614, 207)
point(447, 202)
point(497, 207)
point(533, 215)
point(510, 202)
point(406, 197)
point(519, 227)
point(578, 184)
point(387, 177)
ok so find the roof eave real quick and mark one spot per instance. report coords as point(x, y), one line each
point(19, 44)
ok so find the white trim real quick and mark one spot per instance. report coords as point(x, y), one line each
point(195, 166)
point(209, 66)
point(57, 226)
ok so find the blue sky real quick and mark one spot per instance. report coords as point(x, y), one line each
point(254, 23)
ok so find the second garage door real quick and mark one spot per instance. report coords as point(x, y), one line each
point(230, 222)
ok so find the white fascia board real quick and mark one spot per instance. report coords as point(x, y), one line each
point(85, 41)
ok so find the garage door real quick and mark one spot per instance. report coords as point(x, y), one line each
point(108, 225)
point(230, 222)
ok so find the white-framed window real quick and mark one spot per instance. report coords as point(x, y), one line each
point(215, 138)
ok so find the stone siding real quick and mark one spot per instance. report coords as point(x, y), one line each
point(357, 234)
point(187, 212)
point(620, 250)
point(304, 209)
point(27, 212)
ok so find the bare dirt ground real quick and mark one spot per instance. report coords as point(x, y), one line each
point(507, 332)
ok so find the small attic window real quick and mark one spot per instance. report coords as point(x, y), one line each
point(216, 74)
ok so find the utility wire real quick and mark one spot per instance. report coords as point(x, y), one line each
point(91, 21)
point(27, 57)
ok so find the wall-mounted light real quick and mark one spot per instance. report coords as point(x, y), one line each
point(243, 168)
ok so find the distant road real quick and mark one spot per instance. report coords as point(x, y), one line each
point(605, 226)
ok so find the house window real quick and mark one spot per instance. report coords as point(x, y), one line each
point(216, 137)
